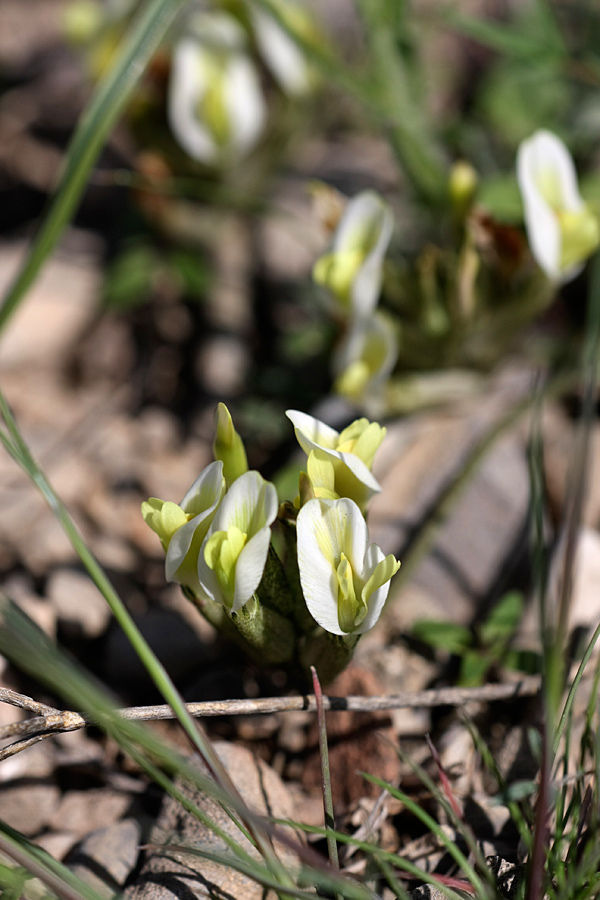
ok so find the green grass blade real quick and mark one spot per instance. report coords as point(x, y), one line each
point(64, 883)
point(590, 379)
point(112, 95)
point(194, 731)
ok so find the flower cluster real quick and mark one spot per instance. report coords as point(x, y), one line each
point(223, 56)
point(352, 272)
point(217, 542)
point(562, 230)
point(217, 109)
point(451, 313)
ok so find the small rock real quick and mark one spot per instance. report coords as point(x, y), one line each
point(95, 808)
point(28, 805)
point(80, 607)
point(105, 858)
point(57, 307)
point(56, 843)
point(187, 876)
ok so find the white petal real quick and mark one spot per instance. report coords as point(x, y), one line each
point(363, 208)
point(375, 331)
point(250, 503)
point(187, 86)
point(317, 575)
point(349, 532)
point(207, 578)
point(281, 53)
point(250, 567)
point(544, 153)
point(325, 530)
point(366, 212)
point(313, 432)
point(377, 599)
point(245, 104)
point(180, 544)
point(205, 489)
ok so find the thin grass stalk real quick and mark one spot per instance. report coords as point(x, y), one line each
point(40, 864)
point(325, 773)
point(591, 354)
point(390, 876)
point(579, 464)
point(409, 132)
point(377, 853)
point(457, 855)
point(110, 99)
point(192, 728)
point(536, 863)
point(452, 811)
point(490, 764)
point(24, 643)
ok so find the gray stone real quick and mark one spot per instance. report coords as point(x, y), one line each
point(183, 876)
point(106, 857)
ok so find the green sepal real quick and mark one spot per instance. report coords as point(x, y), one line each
point(268, 636)
point(274, 589)
point(328, 653)
point(263, 634)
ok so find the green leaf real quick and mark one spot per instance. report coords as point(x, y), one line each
point(443, 635)
point(12, 881)
point(473, 668)
point(193, 272)
point(500, 195)
point(519, 97)
point(528, 661)
point(110, 99)
point(534, 34)
point(503, 620)
point(515, 792)
point(128, 280)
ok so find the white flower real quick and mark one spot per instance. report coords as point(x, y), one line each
point(562, 230)
point(350, 453)
point(366, 357)
point(345, 581)
point(216, 106)
point(182, 528)
point(280, 52)
point(232, 559)
point(353, 270)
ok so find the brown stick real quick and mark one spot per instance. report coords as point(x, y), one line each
point(54, 721)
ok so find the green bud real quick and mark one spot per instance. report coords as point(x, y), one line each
point(229, 447)
point(462, 184)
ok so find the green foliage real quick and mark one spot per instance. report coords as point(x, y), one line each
point(482, 648)
point(141, 269)
point(13, 881)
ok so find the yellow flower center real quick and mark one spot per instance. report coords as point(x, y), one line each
point(351, 609)
point(221, 554)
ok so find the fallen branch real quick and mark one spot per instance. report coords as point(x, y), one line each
point(49, 721)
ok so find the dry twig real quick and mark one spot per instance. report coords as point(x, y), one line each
point(49, 721)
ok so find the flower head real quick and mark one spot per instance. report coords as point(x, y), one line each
point(353, 269)
point(562, 230)
point(182, 528)
point(216, 106)
point(366, 357)
point(345, 580)
point(349, 453)
point(232, 559)
point(280, 52)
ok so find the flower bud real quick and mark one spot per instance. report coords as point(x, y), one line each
point(229, 447)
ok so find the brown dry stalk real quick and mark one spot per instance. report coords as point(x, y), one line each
point(49, 721)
